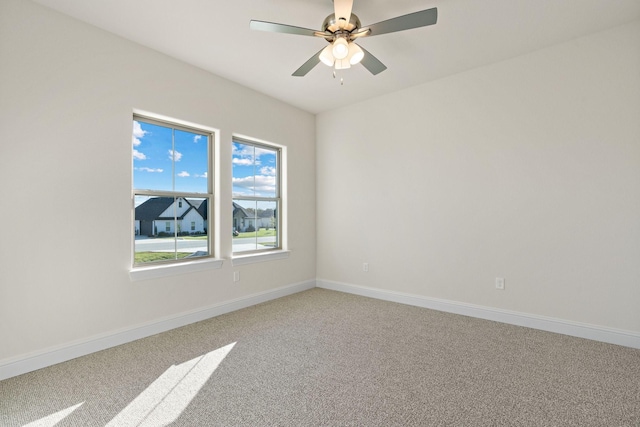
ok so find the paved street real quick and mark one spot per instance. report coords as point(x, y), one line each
point(145, 244)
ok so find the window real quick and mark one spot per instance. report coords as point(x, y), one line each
point(172, 191)
point(256, 197)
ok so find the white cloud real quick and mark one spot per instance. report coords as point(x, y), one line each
point(268, 170)
point(150, 170)
point(248, 155)
point(137, 130)
point(184, 174)
point(204, 175)
point(175, 155)
point(137, 133)
point(242, 162)
point(138, 155)
point(261, 183)
point(197, 138)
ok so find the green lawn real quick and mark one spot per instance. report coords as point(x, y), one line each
point(142, 257)
point(260, 233)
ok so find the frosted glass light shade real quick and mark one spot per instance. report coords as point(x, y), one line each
point(342, 64)
point(326, 56)
point(355, 54)
point(340, 48)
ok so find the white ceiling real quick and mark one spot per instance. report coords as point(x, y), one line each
point(215, 35)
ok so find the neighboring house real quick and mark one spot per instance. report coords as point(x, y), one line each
point(246, 220)
point(241, 218)
point(157, 215)
point(202, 206)
point(266, 219)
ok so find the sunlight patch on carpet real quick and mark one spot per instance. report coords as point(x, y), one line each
point(53, 419)
point(165, 399)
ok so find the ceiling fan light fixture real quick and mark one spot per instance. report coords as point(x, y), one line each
point(340, 48)
point(326, 56)
point(342, 64)
point(355, 53)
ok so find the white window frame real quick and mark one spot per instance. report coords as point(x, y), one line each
point(278, 251)
point(159, 268)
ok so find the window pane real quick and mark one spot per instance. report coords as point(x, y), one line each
point(152, 162)
point(190, 155)
point(154, 225)
point(255, 171)
point(254, 225)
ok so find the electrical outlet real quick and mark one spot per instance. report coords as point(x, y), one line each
point(500, 283)
point(365, 266)
point(236, 276)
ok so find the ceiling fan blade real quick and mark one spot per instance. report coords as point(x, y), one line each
point(308, 66)
point(372, 63)
point(284, 28)
point(363, 32)
point(404, 22)
point(342, 10)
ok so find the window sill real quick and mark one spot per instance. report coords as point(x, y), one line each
point(165, 270)
point(260, 257)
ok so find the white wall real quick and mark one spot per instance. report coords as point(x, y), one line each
point(528, 169)
point(67, 93)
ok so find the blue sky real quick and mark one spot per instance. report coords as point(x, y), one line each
point(178, 162)
point(160, 159)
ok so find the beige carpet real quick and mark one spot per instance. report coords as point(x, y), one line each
point(324, 358)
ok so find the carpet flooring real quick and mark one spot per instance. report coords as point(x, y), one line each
point(325, 358)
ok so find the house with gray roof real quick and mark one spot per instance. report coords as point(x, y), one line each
point(242, 219)
point(168, 215)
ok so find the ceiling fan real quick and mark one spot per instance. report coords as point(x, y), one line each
point(341, 29)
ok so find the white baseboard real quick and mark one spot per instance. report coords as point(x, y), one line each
point(51, 356)
point(560, 326)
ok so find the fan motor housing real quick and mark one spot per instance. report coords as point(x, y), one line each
point(331, 24)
